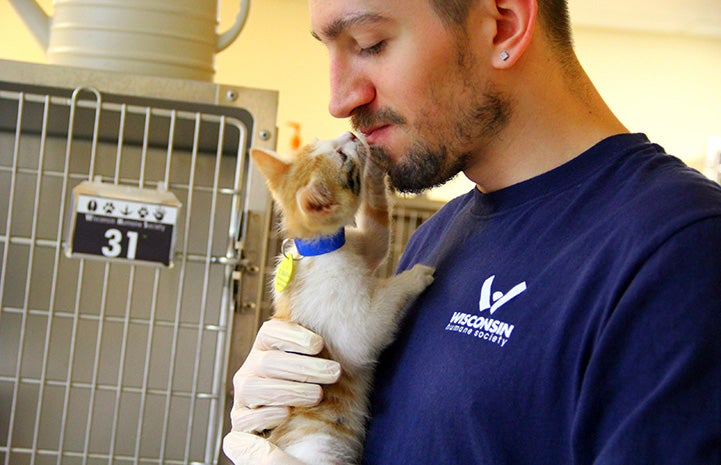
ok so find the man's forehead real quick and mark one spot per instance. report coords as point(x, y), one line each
point(330, 18)
point(337, 26)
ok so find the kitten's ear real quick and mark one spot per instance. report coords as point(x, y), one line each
point(316, 199)
point(272, 167)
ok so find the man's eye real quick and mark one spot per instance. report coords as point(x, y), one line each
point(374, 49)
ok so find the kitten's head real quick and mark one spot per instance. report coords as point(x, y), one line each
point(317, 192)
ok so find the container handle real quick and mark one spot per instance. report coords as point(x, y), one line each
point(227, 38)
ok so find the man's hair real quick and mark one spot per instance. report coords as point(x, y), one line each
point(552, 14)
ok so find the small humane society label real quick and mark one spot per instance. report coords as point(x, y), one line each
point(117, 229)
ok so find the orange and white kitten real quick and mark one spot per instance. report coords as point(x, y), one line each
point(326, 283)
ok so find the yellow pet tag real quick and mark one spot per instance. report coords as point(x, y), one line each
point(284, 273)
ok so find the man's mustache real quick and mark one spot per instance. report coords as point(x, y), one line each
point(364, 118)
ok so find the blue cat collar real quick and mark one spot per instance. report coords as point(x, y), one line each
point(320, 245)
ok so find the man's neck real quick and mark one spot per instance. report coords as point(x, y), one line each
point(555, 118)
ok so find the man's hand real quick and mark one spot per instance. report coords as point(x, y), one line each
point(249, 449)
point(277, 374)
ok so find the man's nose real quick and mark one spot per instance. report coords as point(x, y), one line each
point(349, 89)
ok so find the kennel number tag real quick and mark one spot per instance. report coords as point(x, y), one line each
point(131, 228)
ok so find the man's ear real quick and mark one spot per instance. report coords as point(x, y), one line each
point(515, 23)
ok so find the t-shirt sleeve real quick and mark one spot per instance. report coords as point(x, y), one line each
point(651, 391)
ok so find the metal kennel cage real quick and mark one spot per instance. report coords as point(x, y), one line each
point(107, 358)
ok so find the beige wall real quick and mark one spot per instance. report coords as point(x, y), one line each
point(666, 86)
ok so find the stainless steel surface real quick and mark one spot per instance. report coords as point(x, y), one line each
point(107, 362)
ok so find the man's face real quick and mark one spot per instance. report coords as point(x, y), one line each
point(411, 84)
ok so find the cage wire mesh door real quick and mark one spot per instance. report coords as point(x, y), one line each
point(114, 361)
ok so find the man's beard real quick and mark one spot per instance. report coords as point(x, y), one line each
point(421, 168)
point(427, 164)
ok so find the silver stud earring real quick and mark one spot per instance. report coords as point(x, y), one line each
point(505, 56)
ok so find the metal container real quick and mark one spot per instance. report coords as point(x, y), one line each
point(168, 38)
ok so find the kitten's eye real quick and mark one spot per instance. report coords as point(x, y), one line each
point(343, 156)
point(374, 49)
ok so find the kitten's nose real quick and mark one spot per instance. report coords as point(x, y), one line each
point(347, 137)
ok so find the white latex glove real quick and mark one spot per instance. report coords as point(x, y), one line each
point(249, 449)
point(274, 377)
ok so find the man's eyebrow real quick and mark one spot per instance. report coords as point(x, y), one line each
point(336, 27)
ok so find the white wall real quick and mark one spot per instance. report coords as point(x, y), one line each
point(664, 85)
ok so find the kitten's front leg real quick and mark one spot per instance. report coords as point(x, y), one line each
point(376, 190)
point(374, 217)
point(393, 297)
point(407, 285)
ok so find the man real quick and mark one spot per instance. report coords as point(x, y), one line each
point(576, 312)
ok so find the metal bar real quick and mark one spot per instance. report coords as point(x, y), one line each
point(112, 388)
point(204, 298)
point(121, 136)
point(98, 456)
point(169, 153)
point(31, 260)
point(96, 126)
point(127, 181)
point(153, 307)
point(110, 319)
point(146, 366)
point(126, 320)
point(144, 151)
point(8, 233)
point(71, 365)
point(204, 295)
point(181, 280)
point(116, 107)
point(106, 276)
point(239, 199)
point(121, 368)
point(237, 233)
point(53, 289)
point(168, 160)
point(193, 258)
point(96, 361)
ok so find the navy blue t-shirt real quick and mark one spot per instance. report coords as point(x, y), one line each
point(575, 319)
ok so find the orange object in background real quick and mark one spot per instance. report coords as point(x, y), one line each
point(295, 139)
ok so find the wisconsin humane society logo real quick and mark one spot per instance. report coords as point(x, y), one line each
point(484, 325)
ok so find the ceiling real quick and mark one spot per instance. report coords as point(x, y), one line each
point(692, 17)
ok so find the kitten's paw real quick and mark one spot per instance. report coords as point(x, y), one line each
point(423, 273)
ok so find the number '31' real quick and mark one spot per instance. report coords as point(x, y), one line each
point(115, 248)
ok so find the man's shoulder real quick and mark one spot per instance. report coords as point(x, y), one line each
point(662, 188)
